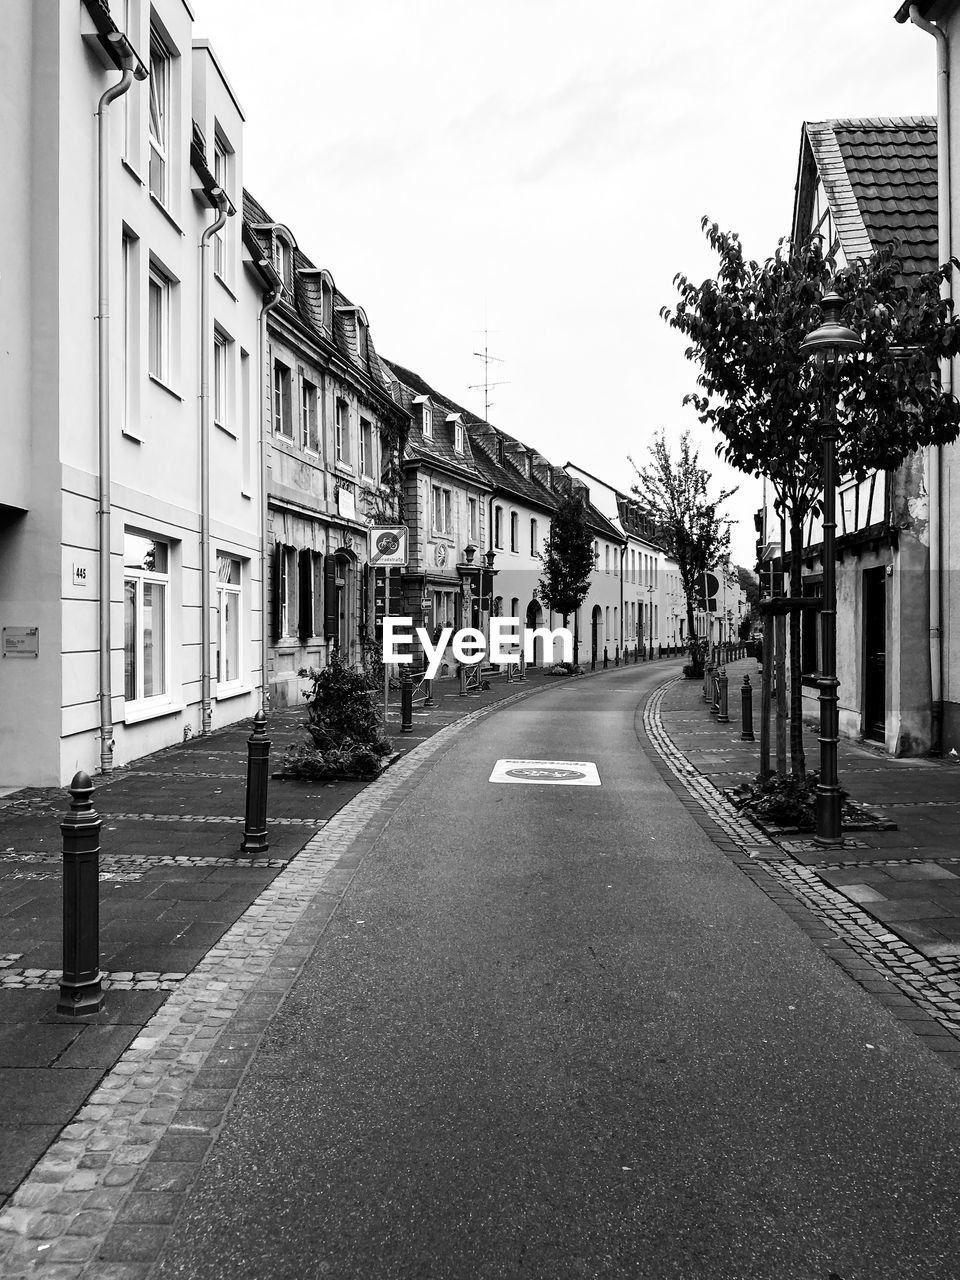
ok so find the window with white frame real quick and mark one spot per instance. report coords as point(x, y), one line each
point(342, 432)
point(159, 131)
point(458, 437)
point(159, 330)
point(427, 421)
point(221, 359)
point(308, 416)
point(283, 261)
point(366, 447)
point(361, 340)
point(282, 407)
point(229, 615)
point(221, 173)
point(146, 585)
point(442, 509)
point(534, 539)
point(514, 532)
point(129, 398)
point(498, 527)
point(473, 520)
point(606, 559)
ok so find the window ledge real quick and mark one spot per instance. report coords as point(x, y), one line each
point(158, 382)
point(134, 712)
point(129, 435)
point(232, 691)
point(227, 431)
point(344, 468)
point(131, 170)
point(244, 493)
point(166, 213)
point(223, 284)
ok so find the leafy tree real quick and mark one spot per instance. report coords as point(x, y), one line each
point(764, 397)
point(748, 585)
point(567, 559)
point(689, 524)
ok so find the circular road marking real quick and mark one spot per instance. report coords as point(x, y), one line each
point(550, 775)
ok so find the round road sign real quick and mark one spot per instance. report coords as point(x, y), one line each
point(545, 774)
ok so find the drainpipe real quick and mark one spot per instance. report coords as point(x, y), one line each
point(934, 455)
point(206, 351)
point(270, 301)
point(623, 553)
point(103, 404)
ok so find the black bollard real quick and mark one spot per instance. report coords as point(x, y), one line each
point(462, 675)
point(258, 776)
point(746, 711)
point(715, 692)
point(80, 984)
point(616, 655)
point(522, 666)
point(606, 660)
point(593, 660)
point(428, 693)
point(723, 714)
point(406, 701)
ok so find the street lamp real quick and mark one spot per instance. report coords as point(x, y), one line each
point(829, 345)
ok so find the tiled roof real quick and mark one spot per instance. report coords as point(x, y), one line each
point(880, 176)
point(439, 448)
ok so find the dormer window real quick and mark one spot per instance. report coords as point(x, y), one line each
point(361, 340)
point(427, 420)
point(500, 450)
point(457, 432)
point(283, 261)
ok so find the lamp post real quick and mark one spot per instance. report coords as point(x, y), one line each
point(829, 345)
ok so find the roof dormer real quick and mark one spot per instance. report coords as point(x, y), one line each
point(357, 322)
point(318, 291)
point(456, 422)
point(281, 245)
point(425, 408)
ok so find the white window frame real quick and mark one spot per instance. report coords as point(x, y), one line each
point(235, 591)
point(473, 519)
point(222, 156)
point(282, 425)
point(366, 448)
point(427, 425)
point(458, 437)
point(342, 432)
point(514, 533)
point(441, 509)
point(138, 578)
point(498, 528)
point(308, 415)
point(159, 116)
point(221, 380)
point(159, 330)
point(534, 538)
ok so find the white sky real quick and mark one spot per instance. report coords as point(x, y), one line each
point(540, 167)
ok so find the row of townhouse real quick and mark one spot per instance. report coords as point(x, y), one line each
point(199, 432)
point(861, 184)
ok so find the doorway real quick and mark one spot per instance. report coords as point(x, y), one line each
point(874, 653)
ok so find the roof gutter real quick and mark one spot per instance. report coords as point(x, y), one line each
point(934, 455)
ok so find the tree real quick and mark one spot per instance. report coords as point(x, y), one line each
point(567, 559)
point(764, 398)
point(689, 524)
point(748, 585)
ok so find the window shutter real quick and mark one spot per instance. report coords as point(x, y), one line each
point(277, 591)
point(331, 623)
point(317, 566)
point(305, 594)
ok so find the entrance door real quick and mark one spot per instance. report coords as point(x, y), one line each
point(874, 652)
point(595, 623)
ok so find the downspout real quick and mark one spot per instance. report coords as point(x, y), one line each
point(206, 350)
point(623, 552)
point(103, 406)
point(270, 302)
point(934, 454)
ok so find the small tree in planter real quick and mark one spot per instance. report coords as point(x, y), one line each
point(343, 721)
point(567, 560)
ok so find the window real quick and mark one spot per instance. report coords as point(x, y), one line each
point(285, 587)
point(361, 340)
point(458, 437)
point(498, 527)
point(606, 559)
point(606, 623)
point(534, 539)
point(131, 333)
point(473, 520)
point(283, 261)
point(366, 448)
point(427, 422)
point(229, 615)
point(282, 412)
point(221, 172)
point(514, 531)
point(308, 416)
point(158, 325)
point(342, 430)
point(159, 130)
point(145, 585)
point(442, 503)
point(220, 362)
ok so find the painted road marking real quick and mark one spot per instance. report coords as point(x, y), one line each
point(551, 773)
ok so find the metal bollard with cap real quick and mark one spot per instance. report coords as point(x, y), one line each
point(606, 659)
point(258, 776)
point(723, 708)
point(81, 991)
point(463, 679)
point(406, 701)
point(522, 666)
point(746, 711)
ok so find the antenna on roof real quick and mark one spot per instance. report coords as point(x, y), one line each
point(487, 385)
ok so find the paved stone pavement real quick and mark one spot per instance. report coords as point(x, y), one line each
point(172, 883)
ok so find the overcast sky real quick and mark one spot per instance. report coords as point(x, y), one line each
point(539, 168)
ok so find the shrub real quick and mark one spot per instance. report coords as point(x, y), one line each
point(344, 724)
point(782, 802)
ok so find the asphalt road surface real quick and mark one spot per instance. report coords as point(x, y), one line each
point(553, 1032)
